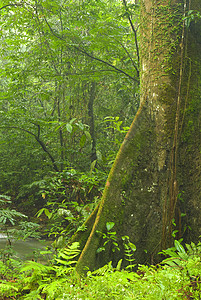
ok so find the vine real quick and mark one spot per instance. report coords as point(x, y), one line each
point(173, 184)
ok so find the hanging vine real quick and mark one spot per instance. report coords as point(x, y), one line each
point(172, 209)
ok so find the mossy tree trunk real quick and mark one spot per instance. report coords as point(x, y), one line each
point(156, 175)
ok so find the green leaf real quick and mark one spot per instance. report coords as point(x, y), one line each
point(118, 267)
point(59, 126)
point(82, 140)
point(190, 250)
point(47, 213)
point(100, 249)
point(169, 252)
point(65, 262)
point(109, 225)
point(6, 287)
point(179, 247)
point(39, 213)
point(170, 262)
point(69, 127)
point(88, 135)
point(183, 256)
point(72, 120)
point(80, 125)
point(132, 246)
point(5, 197)
point(45, 252)
point(93, 164)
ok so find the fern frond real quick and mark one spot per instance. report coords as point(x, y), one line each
point(105, 269)
point(5, 287)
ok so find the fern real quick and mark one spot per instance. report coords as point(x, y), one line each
point(31, 266)
point(42, 279)
point(52, 289)
point(103, 270)
point(189, 263)
point(7, 289)
point(66, 255)
point(33, 296)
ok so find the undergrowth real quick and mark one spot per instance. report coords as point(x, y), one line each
point(176, 277)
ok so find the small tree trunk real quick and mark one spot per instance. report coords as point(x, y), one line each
point(91, 120)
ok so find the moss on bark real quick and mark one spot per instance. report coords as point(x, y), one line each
point(156, 174)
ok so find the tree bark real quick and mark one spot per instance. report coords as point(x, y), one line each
point(155, 180)
point(92, 93)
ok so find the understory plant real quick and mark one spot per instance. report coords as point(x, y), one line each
point(70, 198)
point(14, 226)
point(110, 240)
point(176, 277)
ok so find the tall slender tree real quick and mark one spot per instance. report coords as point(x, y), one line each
point(153, 190)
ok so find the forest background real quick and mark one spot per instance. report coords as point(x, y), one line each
point(69, 92)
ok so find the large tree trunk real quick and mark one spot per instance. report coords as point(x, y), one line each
point(156, 175)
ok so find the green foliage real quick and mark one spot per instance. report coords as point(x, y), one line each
point(26, 230)
point(129, 250)
point(8, 216)
point(10, 222)
point(185, 260)
point(110, 238)
point(13, 229)
point(115, 124)
point(115, 131)
point(177, 277)
point(39, 279)
point(192, 16)
point(8, 290)
point(71, 196)
point(47, 69)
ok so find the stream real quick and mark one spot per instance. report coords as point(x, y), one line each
point(24, 249)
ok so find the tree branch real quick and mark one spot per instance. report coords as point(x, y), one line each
point(22, 4)
point(136, 68)
point(11, 4)
point(91, 56)
point(43, 146)
point(134, 31)
point(106, 63)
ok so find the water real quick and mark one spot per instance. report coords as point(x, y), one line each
point(24, 249)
